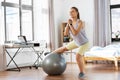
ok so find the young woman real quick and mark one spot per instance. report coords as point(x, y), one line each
point(76, 30)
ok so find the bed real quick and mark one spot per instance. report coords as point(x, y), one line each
point(110, 53)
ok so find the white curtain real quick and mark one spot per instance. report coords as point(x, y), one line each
point(102, 30)
point(44, 21)
point(2, 36)
point(3, 62)
point(41, 20)
point(51, 24)
point(2, 31)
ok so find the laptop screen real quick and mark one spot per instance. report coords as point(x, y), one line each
point(22, 39)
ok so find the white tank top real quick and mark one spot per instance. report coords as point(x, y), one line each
point(80, 38)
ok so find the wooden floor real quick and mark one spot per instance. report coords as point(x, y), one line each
point(93, 72)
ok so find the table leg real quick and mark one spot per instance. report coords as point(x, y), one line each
point(12, 58)
point(38, 56)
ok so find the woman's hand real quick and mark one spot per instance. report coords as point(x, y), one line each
point(69, 21)
point(77, 30)
point(67, 28)
point(66, 32)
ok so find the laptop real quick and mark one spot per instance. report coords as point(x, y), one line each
point(22, 39)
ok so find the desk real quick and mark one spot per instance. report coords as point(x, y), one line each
point(19, 48)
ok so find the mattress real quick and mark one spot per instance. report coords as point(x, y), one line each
point(102, 53)
point(108, 51)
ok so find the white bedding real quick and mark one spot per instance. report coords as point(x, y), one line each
point(103, 53)
point(108, 51)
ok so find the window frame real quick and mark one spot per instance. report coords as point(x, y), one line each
point(21, 7)
point(115, 6)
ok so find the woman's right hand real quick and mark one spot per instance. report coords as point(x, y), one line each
point(66, 32)
point(67, 27)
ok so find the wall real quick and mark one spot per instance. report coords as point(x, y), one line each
point(61, 11)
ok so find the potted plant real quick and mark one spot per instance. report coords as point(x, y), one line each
point(116, 34)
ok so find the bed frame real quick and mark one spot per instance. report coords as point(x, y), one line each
point(114, 59)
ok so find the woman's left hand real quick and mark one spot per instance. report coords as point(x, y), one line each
point(69, 21)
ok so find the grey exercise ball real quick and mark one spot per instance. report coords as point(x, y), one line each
point(54, 64)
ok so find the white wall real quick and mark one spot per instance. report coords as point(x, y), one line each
point(61, 11)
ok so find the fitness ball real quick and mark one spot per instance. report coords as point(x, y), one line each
point(54, 64)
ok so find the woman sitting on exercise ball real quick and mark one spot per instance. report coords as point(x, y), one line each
point(76, 30)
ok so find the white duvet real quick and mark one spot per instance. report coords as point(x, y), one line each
point(108, 51)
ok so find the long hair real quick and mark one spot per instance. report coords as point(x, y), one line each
point(76, 9)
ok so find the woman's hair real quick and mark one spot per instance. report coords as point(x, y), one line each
point(76, 9)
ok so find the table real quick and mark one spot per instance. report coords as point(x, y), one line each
point(19, 48)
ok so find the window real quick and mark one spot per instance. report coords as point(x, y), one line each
point(18, 16)
point(13, 1)
point(114, 2)
point(115, 19)
point(12, 23)
point(41, 20)
point(27, 2)
point(27, 24)
point(26, 17)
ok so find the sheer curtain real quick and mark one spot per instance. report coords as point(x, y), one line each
point(102, 30)
point(44, 22)
point(41, 20)
point(2, 31)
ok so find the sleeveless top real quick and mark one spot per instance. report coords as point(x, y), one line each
point(80, 38)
